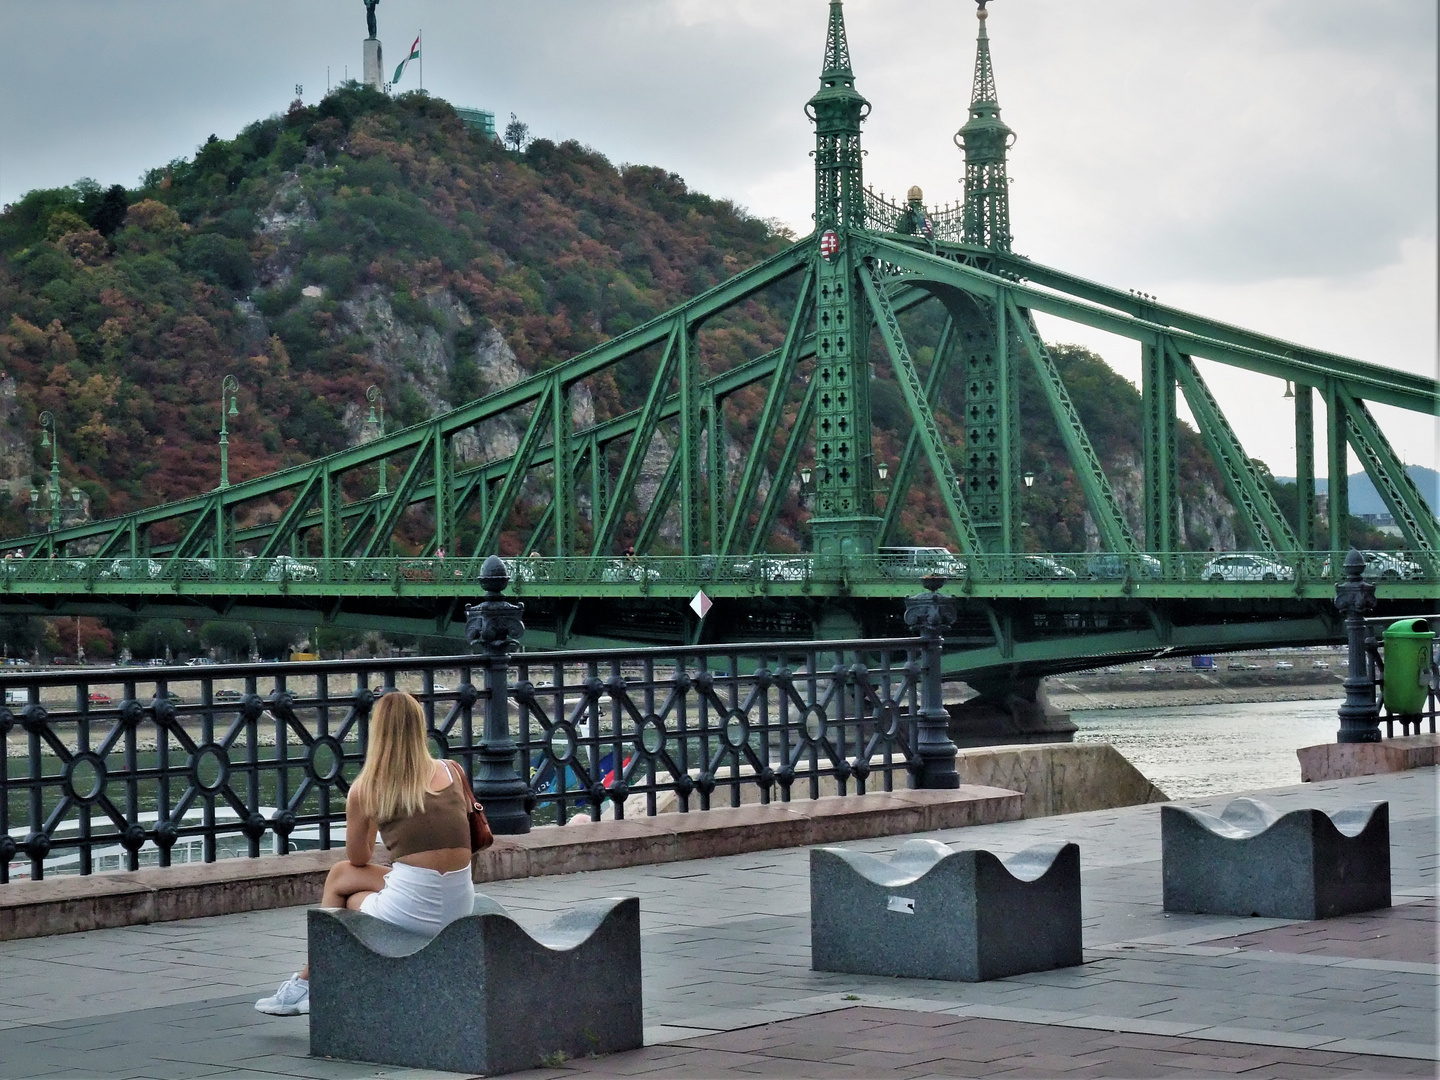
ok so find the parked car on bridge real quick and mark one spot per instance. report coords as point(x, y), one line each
point(1246, 567)
point(98, 697)
point(226, 696)
point(1110, 566)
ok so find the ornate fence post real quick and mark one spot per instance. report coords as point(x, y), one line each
point(494, 628)
point(929, 614)
point(1359, 714)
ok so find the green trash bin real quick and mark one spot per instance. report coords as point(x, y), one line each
point(1407, 665)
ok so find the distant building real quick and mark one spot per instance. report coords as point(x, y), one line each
point(481, 120)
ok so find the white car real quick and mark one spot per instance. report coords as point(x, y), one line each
point(918, 562)
point(1246, 567)
point(281, 568)
point(625, 570)
point(133, 569)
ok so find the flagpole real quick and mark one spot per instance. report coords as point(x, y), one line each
point(420, 37)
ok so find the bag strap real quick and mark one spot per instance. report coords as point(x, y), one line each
point(454, 769)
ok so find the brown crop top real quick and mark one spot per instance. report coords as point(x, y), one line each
point(444, 823)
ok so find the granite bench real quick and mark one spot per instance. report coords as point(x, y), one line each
point(935, 913)
point(482, 996)
point(1253, 860)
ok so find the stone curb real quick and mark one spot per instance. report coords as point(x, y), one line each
point(1344, 761)
point(64, 905)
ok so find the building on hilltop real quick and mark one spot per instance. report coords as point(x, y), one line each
point(481, 120)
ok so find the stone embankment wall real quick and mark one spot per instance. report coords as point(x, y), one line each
point(1131, 689)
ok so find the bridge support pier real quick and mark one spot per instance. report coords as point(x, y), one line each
point(1007, 710)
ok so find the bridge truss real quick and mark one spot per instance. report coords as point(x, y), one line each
point(322, 542)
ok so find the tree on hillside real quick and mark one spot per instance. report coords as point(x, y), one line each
point(517, 134)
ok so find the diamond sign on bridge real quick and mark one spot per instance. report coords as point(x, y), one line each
point(701, 604)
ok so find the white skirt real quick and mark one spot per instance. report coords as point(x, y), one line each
point(423, 901)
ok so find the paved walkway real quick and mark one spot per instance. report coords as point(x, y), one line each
point(729, 991)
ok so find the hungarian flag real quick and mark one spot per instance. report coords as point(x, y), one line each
point(414, 55)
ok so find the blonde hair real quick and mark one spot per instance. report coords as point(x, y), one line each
point(398, 764)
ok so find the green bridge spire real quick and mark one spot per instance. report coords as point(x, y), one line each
point(844, 518)
point(837, 110)
point(985, 140)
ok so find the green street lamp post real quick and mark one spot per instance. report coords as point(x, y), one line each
point(51, 438)
point(229, 390)
point(373, 396)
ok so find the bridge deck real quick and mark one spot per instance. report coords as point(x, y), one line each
point(729, 991)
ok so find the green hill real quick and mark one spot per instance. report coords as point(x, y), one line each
point(121, 311)
point(376, 240)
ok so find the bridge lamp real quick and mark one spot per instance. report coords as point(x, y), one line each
point(229, 390)
point(1029, 479)
point(373, 395)
point(805, 475)
point(50, 437)
point(884, 470)
point(1289, 389)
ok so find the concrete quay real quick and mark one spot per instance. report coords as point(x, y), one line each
point(729, 991)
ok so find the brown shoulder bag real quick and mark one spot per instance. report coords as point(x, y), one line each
point(480, 835)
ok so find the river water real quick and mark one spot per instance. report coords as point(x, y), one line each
point(1199, 750)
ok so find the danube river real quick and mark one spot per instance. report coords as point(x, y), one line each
point(1213, 749)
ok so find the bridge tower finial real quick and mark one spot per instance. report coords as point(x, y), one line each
point(837, 110)
point(985, 140)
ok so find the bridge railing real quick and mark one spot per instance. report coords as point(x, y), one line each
point(109, 768)
point(643, 573)
point(100, 765)
point(680, 729)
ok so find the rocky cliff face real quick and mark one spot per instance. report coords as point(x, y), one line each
point(17, 459)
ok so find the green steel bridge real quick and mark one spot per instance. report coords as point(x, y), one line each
point(316, 543)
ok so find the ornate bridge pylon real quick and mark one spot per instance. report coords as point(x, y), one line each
point(655, 480)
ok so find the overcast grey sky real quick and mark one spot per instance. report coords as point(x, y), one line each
point(1271, 163)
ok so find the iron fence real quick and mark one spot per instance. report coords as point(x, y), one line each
point(132, 765)
point(678, 728)
point(112, 768)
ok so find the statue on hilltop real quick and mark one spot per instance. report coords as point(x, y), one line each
point(370, 15)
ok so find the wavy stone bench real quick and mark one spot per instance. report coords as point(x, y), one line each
point(482, 996)
point(1253, 860)
point(931, 912)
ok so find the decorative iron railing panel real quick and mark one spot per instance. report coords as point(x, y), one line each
point(105, 766)
point(633, 726)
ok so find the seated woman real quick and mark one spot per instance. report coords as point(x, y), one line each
point(419, 807)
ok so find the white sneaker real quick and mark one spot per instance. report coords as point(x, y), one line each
point(291, 999)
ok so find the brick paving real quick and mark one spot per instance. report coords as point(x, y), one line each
point(729, 990)
point(865, 1042)
point(1405, 933)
